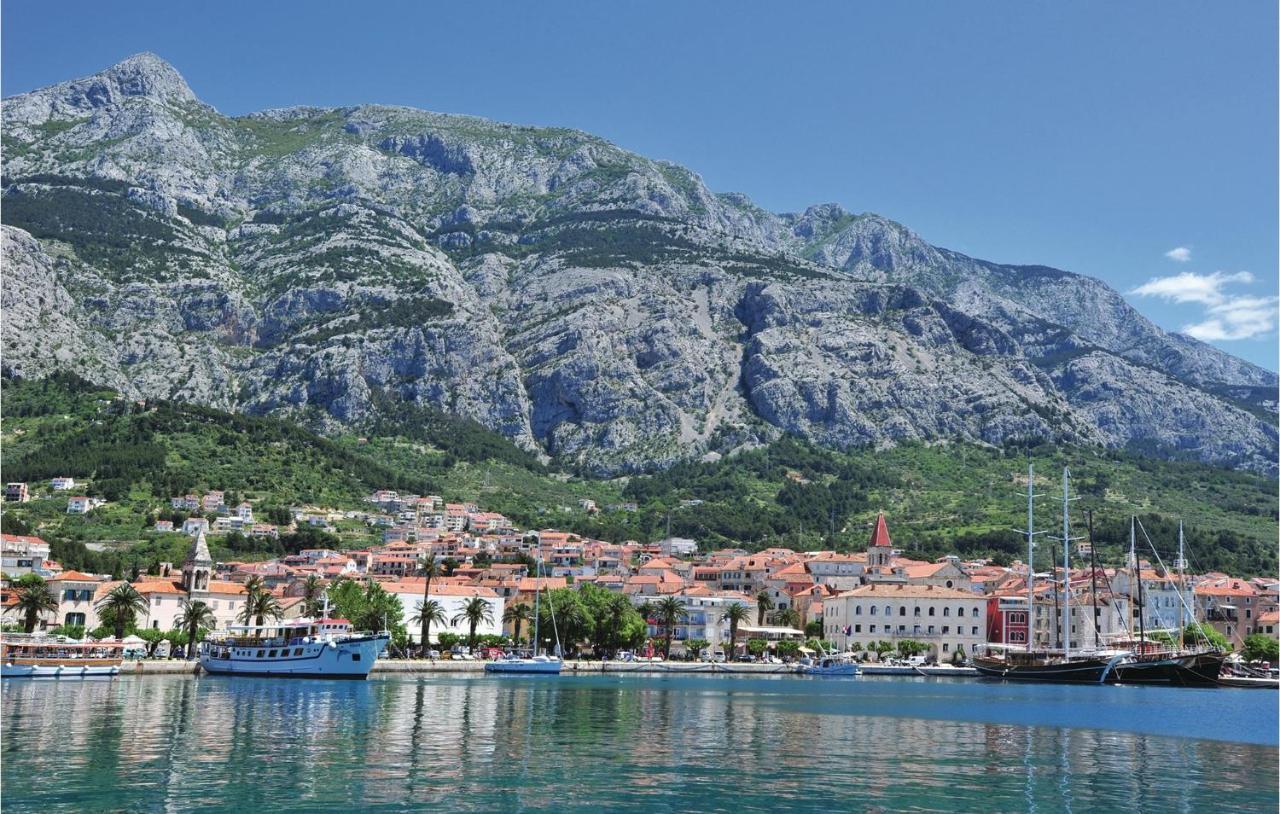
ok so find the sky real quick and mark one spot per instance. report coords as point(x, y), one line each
point(1135, 142)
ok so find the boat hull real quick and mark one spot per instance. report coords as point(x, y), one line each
point(1196, 670)
point(1077, 671)
point(848, 670)
point(54, 668)
point(525, 666)
point(349, 659)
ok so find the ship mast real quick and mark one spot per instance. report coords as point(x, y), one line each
point(1031, 546)
point(1066, 568)
point(1137, 577)
point(1181, 566)
point(537, 594)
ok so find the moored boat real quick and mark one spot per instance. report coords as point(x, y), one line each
point(535, 663)
point(28, 656)
point(300, 648)
point(1094, 668)
point(1171, 669)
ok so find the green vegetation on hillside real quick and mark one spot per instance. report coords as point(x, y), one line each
point(955, 498)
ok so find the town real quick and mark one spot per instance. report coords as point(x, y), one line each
point(473, 570)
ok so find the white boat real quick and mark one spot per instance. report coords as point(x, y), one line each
point(36, 656)
point(537, 663)
point(830, 664)
point(301, 648)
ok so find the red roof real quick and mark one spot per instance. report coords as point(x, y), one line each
point(880, 537)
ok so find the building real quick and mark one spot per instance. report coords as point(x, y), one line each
point(704, 617)
point(82, 504)
point(1228, 605)
point(16, 493)
point(1007, 620)
point(945, 619)
point(76, 592)
point(452, 598)
point(165, 595)
point(22, 554)
point(62, 484)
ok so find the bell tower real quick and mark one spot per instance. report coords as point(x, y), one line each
point(198, 566)
point(880, 552)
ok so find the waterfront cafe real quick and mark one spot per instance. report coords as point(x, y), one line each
point(772, 634)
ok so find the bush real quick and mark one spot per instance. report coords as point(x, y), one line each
point(1261, 647)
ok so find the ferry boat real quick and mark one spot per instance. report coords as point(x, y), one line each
point(299, 648)
point(29, 656)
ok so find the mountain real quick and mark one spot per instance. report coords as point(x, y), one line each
point(336, 264)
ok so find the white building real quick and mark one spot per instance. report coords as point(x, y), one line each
point(22, 555)
point(704, 617)
point(82, 504)
point(452, 598)
point(943, 618)
point(62, 484)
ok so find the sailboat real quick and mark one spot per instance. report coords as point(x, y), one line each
point(536, 663)
point(1152, 663)
point(1012, 664)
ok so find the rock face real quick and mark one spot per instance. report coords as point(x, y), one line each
point(587, 302)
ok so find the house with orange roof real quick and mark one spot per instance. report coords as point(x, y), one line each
point(452, 598)
point(1228, 605)
point(22, 554)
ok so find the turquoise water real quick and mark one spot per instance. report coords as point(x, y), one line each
point(632, 743)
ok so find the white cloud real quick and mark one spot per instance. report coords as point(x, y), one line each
point(1181, 254)
point(1228, 316)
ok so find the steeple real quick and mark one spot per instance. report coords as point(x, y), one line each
point(881, 549)
point(198, 565)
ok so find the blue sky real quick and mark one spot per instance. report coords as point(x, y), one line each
point(1095, 137)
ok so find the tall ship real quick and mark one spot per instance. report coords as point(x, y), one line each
point(1155, 662)
point(300, 648)
point(1060, 666)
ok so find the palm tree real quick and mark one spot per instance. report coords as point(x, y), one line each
point(429, 613)
point(475, 611)
point(259, 603)
point(669, 611)
point(34, 598)
point(312, 590)
point(764, 604)
point(787, 617)
point(516, 616)
point(122, 604)
point(193, 616)
point(735, 614)
point(427, 567)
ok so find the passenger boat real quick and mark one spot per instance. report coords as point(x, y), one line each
point(27, 656)
point(536, 663)
point(300, 648)
point(1058, 666)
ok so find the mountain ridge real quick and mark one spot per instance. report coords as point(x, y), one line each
point(591, 304)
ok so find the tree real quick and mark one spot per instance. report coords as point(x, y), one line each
point(694, 647)
point(33, 598)
point(1198, 632)
point(474, 611)
point(259, 603)
point(882, 647)
point(429, 613)
point(312, 593)
point(958, 657)
point(429, 568)
point(756, 647)
point(735, 614)
point(1261, 647)
point(814, 629)
point(764, 604)
point(516, 616)
point(787, 617)
point(177, 639)
point(194, 617)
point(121, 605)
point(564, 613)
point(447, 640)
point(669, 612)
point(153, 638)
point(788, 648)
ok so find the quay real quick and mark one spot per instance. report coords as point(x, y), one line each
point(412, 666)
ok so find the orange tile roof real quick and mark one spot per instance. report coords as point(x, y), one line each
point(878, 590)
point(75, 576)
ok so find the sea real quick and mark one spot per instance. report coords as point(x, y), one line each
point(643, 743)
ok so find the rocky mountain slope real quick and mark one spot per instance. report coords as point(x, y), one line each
point(587, 302)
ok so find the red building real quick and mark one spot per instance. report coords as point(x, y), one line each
point(1007, 620)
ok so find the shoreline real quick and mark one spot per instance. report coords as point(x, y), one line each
point(424, 666)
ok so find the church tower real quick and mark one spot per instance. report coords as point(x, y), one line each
point(881, 549)
point(198, 566)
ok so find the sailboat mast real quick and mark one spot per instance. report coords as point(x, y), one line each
point(1031, 536)
point(1093, 584)
point(1066, 568)
point(537, 594)
point(1181, 566)
point(1137, 577)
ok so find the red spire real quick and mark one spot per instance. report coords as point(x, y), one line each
point(880, 537)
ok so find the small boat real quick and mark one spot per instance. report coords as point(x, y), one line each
point(831, 664)
point(535, 663)
point(33, 656)
point(1249, 682)
point(300, 648)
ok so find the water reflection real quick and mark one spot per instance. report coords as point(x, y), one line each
point(179, 744)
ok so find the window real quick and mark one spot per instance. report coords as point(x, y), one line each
point(946, 628)
point(874, 609)
point(931, 610)
point(857, 611)
point(297, 651)
point(975, 631)
point(857, 628)
point(949, 584)
point(888, 611)
point(272, 654)
point(930, 628)
point(355, 656)
point(960, 612)
point(916, 612)
point(261, 654)
point(872, 630)
point(157, 600)
point(155, 624)
point(74, 619)
point(945, 647)
point(902, 628)
point(902, 611)
point(946, 611)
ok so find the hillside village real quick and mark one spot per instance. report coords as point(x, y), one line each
point(853, 601)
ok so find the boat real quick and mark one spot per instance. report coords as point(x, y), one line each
point(34, 656)
point(830, 664)
point(299, 648)
point(1154, 663)
point(1057, 666)
point(534, 663)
